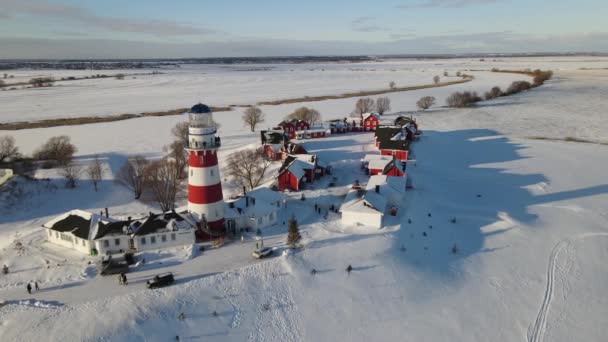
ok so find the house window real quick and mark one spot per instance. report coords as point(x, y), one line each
point(173, 236)
point(143, 240)
point(117, 242)
point(83, 242)
point(106, 243)
point(260, 220)
point(57, 235)
point(152, 239)
point(163, 238)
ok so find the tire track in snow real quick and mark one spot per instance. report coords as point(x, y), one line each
point(537, 330)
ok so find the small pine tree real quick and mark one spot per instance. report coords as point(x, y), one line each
point(293, 234)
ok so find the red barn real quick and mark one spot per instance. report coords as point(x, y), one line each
point(370, 121)
point(273, 151)
point(392, 142)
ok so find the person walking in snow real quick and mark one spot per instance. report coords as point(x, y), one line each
point(29, 288)
point(36, 286)
point(124, 279)
point(120, 279)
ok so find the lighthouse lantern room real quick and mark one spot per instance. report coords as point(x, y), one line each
point(205, 199)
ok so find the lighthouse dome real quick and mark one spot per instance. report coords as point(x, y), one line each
point(200, 108)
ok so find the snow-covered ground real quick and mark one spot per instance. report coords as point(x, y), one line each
point(530, 234)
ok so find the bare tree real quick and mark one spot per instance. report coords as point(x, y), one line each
point(59, 148)
point(252, 117)
point(132, 175)
point(383, 105)
point(178, 154)
point(458, 73)
point(8, 150)
point(392, 85)
point(247, 167)
point(309, 115)
point(180, 131)
point(164, 182)
point(494, 93)
point(95, 171)
point(425, 102)
point(364, 105)
point(436, 79)
point(445, 73)
point(71, 172)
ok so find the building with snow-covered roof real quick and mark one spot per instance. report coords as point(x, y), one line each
point(367, 206)
point(256, 209)
point(369, 121)
point(95, 234)
point(357, 210)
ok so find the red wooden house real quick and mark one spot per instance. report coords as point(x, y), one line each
point(297, 170)
point(370, 121)
point(394, 169)
point(292, 126)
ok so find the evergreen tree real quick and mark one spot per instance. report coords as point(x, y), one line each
point(293, 234)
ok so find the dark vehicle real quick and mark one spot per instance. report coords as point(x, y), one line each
point(113, 267)
point(160, 280)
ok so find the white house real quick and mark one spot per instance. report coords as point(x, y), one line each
point(257, 209)
point(94, 234)
point(75, 229)
point(358, 210)
point(367, 207)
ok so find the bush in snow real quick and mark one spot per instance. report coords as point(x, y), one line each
point(71, 173)
point(494, 93)
point(392, 85)
point(462, 99)
point(309, 115)
point(363, 105)
point(59, 149)
point(132, 175)
point(518, 87)
point(541, 76)
point(8, 150)
point(293, 234)
point(436, 79)
point(248, 167)
point(95, 171)
point(252, 117)
point(383, 105)
point(425, 102)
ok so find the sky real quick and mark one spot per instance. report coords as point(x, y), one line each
point(203, 28)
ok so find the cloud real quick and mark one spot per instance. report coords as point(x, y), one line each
point(448, 3)
point(365, 24)
point(42, 8)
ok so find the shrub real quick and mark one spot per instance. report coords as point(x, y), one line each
point(8, 150)
point(464, 99)
point(392, 85)
point(436, 79)
point(493, 93)
point(120, 76)
point(518, 87)
point(541, 76)
point(59, 149)
point(425, 102)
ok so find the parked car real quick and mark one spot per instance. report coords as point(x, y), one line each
point(113, 267)
point(262, 252)
point(160, 280)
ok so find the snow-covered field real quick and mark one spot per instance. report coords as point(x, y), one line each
point(530, 232)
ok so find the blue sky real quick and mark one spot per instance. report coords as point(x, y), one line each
point(189, 28)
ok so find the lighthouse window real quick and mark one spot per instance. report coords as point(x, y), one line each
point(211, 172)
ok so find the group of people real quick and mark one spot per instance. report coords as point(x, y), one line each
point(29, 287)
point(122, 279)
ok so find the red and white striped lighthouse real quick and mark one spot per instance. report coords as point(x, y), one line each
point(205, 199)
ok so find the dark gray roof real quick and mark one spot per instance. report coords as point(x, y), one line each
point(79, 226)
point(110, 228)
point(200, 108)
point(157, 221)
point(384, 135)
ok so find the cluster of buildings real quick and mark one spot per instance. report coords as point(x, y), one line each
point(384, 192)
point(207, 215)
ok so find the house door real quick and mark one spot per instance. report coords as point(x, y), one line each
point(131, 244)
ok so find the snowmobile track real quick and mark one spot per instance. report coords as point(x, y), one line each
point(536, 331)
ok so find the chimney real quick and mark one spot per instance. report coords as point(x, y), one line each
point(377, 189)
